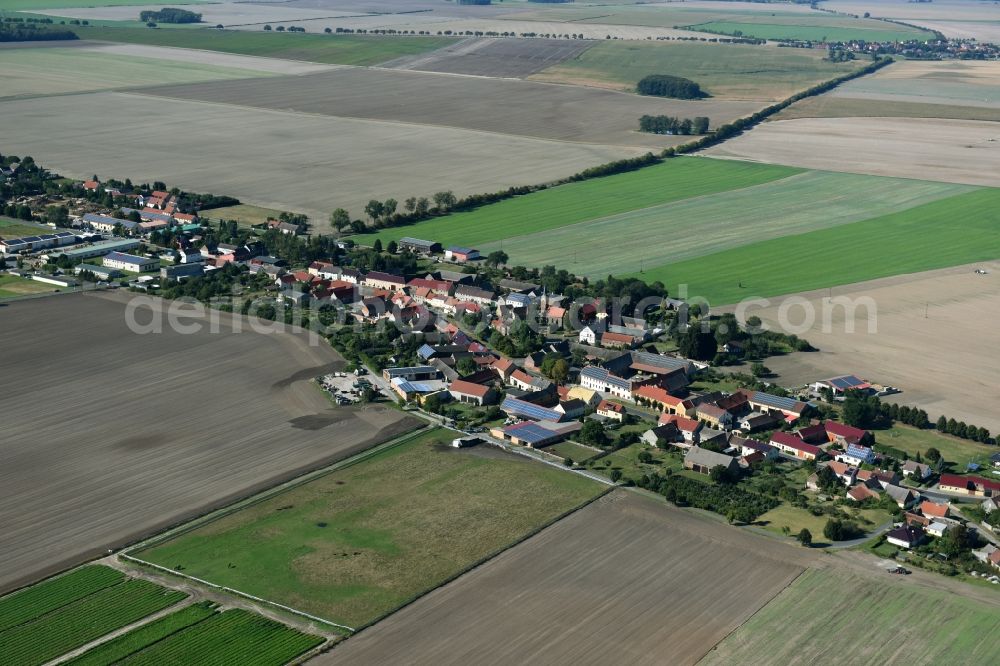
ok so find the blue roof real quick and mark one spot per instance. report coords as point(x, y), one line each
point(412, 387)
point(845, 382)
point(130, 258)
point(529, 410)
point(860, 452)
point(426, 351)
point(461, 250)
point(776, 401)
point(601, 374)
point(520, 299)
point(532, 433)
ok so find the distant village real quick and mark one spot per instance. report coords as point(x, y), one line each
point(509, 363)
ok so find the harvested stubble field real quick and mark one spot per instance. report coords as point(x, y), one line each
point(359, 50)
point(628, 579)
point(33, 72)
point(895, 621)
point(229, 14)
point(96, 468)
point(954, 151)
point(947, 232)
point(914, 314)
point(357, 543)
point(649, 238)
point(517, 108)
point(501, 58)
point(314, 163)
point(255, 63)
point(726, 71)
point(964, 19)
point(963, 90)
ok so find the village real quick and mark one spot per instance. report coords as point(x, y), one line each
point(571, 382)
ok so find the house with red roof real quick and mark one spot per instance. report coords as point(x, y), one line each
point(473, 394)
point(618, 341)
point(659, 398)
point(973, 486)
point(934, 510)
point(611, 410)
point(843, 434)
point(793, 446)
point(690, 429)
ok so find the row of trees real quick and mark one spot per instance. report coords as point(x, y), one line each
point(169, 15)
point(672, 125)
point(961, 429)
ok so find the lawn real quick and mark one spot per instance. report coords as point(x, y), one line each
point(556, 207)
point(953, 450)
point(359, 542)
point(11, 228)
point(626, 461)
point(329, 49)
point(12, 286)
point(817, 32)
point(725, 71)
point(576, 452)
point(952, 231)
point(49, 71)
point(703, 225)
point(897, 622)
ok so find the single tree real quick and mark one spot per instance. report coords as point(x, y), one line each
point(339, 219)
point(805, 537)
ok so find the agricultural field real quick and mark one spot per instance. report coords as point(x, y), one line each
point(228, 14)
point(258, 64)
point(32, 72)
point(362, 50)
point(726, 71)
point(502, 58)
point(828, 604)
point(573, 203)
point(120, 463)
point(12, 5)
point(965, 19)
point(913, 314)
point(798, 204)
point(820, 28)
point(627, 579)
point(511, 107)
point(87, 612)
point(356, 544)
point(11, 228)
point(963, 90)
point(955, 151)
point(353, 160)
point(948, 232)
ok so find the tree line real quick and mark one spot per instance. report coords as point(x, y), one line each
point(671, 125)
point(169, 15)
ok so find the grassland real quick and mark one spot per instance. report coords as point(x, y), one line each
point(49, 71)
point(357, 543)
point(725, 71)
point(814, 30)
point(75, 624)
point(677, 231)
point(957, 451)
point(142, 637)
point(571, 450)
point(627, 579)
point(579, 202)
point(244, 214)
point(99, 477)
point(235, 636)
point(952, 231)
point(328, 49)
point(900, 623)
point(796, 519)
point(11, 228)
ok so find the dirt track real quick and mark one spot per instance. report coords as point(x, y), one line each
point(109, 435)
point(627, 579)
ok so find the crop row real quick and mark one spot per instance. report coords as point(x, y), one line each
point(35, 601)
point(235, 637)
point(144, 636)
point(82, 621)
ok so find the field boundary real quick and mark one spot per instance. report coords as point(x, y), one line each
point(238, 593)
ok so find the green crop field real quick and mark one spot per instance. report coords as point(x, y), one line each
point(556, 207)
point(47, 596)
point(68, 627)
point(61, 4)
point(863, 620)
point(956, 230)
point(735, 71)
point(49, 71)
point(329, 49)
point(357, 543)
point(142, 637)
point(11, 228)
point(233, 637)
point(814, 30)
point(659, 235)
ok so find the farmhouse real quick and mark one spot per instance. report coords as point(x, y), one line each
point(843, 434)
point(973, 486)
point(842, 384)
point(461, 254)
point(789, 408)
point(857, 455)
point(793, 446)
point(703, 461)
point(755, 422)
point(861, 492)
point(419, 246)
point(475, 394)
point(611, 410)
point(522, 409)
point(658, 398)
point(599, 379)
point(903, 497)
point(130, 262)
point(920, 470)
point(752, 446)
point(618, 341)
point(474, 294)
point(689, 429)
point(715, 416)
point(662, 434)
point(378, 280)
point(905, 537)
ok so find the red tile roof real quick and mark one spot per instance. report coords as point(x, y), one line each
point(657, 394)
point(683, 424)
point(468, 388)
point(793, 442)
point(844, 430)
point(608, 406)
point(968, 482)
point(934, 509)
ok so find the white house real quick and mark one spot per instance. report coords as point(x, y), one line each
point(130, 262)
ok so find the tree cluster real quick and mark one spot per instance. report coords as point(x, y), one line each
point(667, 85)
point(837, 529)
point(733, 502)
point(169, 15)
point(672, 125)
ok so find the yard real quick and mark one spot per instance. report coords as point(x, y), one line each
point(358, 543)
